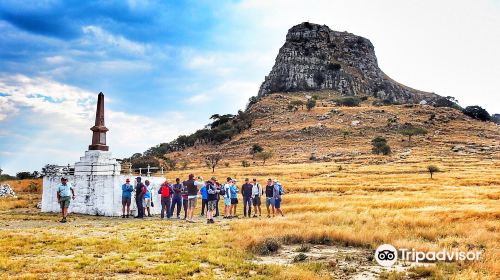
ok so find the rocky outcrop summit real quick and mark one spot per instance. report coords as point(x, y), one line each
point(314, 57)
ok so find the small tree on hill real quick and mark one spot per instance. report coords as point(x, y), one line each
point(477, 113)
point(24, 175)
point(311, 103)
point(432, 169)
point(213, 160)
point(256, 148)
point(380, 146)
point(264, 155)
point(412, 131)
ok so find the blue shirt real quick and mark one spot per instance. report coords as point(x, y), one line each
point(234, 191)
point(204, 193)
point(64, 190)
point(127, 190)
point(148, 191)
point(277, 190)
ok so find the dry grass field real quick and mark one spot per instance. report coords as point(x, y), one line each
point(349, 198)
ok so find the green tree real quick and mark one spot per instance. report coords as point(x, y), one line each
point(311, 103)
point(432, 169)
point(24, 175)
point(380, 146)
point(256, 148)
point(413, 131)
point(212, 160)
point(264, 155)
point(476, 112)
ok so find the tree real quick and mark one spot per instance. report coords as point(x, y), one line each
point(213, 160)
point(318, 78)
point(311, 103)
point(24, 175)
point(297, 103)
point(380, 146)
point(476, 112)
point(432, 169)
point(264, 155)
point(49, 169)
point(412, 131)
point(256, 148)
point(171, 163)
point(345, 133)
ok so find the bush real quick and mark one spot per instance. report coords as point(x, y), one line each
point(245, 163)
point(347, 101)
point(311, 103)
point(476, 112)
point(256, 148)
point(380, 146)
point(300, 257)
point(33, 187)
point(267, 247)
point(226, 164)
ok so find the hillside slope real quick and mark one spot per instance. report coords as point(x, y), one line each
point(343, 134)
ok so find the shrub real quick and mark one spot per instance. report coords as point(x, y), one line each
point(256, 148)
point(267, 247)
point(476, 112)
point(304, 247)
point(333, 66)
point(311, 103)
point(226, 164)
point(33, 187)
point(432, 169)
point(380, 146)
point(300, 257)
point(245, 163)
point(347, 101)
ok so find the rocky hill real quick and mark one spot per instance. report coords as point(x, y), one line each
point(315, 57)
point(330, 132)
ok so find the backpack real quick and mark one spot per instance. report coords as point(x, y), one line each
point(222, 191)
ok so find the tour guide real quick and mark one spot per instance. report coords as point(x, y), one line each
point(64, 197)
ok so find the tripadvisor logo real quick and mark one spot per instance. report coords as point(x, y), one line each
point(387, 255)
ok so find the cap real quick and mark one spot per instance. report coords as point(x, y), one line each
point(213, 178)
point(275, 180)
point(138, 178)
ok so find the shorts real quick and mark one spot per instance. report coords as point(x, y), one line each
point(234, 201)
point(147, 202)
point(192, 202)
point(277, 203)
point(269, 201)
point(126, 201)
point(64, 201)
point(256, 201)
point(227, 201)
point(211, 205)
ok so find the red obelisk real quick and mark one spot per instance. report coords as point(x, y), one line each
point(99, 130)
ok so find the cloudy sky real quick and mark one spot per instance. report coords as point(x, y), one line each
point(166, 66)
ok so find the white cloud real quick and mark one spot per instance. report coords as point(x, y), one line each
point(98, 36)
point(62, 116)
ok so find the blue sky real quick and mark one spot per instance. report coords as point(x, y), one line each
point(166, 66)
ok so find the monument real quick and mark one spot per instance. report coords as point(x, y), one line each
point(96, 178)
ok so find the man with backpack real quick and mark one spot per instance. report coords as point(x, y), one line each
point(204, 199)
point(277, 193)
point(247, 192)
point(165, 193)
point(177, 198)
point(233, 189)
point(256, 195)
point(211, 199)
point(140, 191)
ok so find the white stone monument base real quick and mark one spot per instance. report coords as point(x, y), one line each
point(96, 194)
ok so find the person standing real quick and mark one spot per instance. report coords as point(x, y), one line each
point(140, 191)
point(234, 198)
point(256, 195)
point(226, 193)
point(204, 199)
point(147, 198)
point(217, 197)
point(165, 191)
point(127, 190)
point(269, 196)
point(247, 192)
point(65, 193)
point(176, 198)
point(277, 193)
point(211, 199)
point(184, 196)
point(192, 192)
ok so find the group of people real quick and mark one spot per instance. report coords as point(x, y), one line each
point(175, 196)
